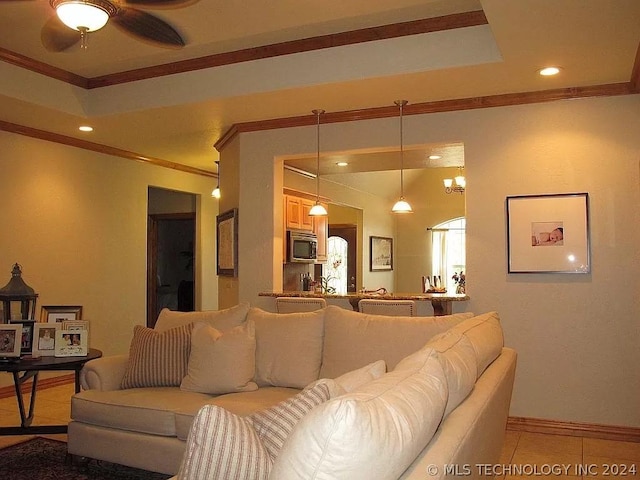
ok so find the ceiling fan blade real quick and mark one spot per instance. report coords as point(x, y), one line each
point(56, 36)
point(161, 3)
point(145, 26)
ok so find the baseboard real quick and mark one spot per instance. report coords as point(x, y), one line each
point(574, 429)
point(43, 383)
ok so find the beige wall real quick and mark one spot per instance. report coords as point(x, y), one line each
point(77, 223)
point(577, 335)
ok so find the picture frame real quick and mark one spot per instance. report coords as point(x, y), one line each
point(71, 343)
point(227, 243)
point(380, 254)
point(10, 335)
point(44, 338)
point(26, 335)
point(548, 233)
point(60, 313)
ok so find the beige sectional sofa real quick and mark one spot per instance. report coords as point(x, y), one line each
point(440, 410)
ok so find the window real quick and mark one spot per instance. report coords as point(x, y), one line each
point(448, 251)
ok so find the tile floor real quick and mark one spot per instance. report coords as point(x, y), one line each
point(524, 454)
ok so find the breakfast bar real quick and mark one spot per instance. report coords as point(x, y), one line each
point(441, 302)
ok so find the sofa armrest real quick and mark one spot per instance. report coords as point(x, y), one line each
point(104, 373)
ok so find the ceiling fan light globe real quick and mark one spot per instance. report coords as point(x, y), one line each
point(78, 15)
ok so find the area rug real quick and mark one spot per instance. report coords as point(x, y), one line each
point(44, 459)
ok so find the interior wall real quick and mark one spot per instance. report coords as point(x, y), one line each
point(77, 223)
point(576, 335)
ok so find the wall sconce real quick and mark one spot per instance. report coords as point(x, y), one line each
point(460, 183)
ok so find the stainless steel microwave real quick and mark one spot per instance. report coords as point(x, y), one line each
point(302, 247)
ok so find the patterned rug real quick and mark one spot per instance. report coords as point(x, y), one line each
point(44, 459)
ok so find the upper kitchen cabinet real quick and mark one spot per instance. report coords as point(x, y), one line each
point(297, 213)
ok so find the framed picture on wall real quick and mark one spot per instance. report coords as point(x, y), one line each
point(227, 243)
point(60, 313)
point(548, 233)
point(380, 254)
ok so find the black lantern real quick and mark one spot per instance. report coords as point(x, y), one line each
point(18, 292)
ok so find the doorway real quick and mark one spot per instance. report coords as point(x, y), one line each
point(348, 233)
point(170, 253)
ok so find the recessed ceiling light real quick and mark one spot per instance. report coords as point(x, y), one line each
point(549, 71)
point(85, 128)
point(342, 164)
point(434, 157)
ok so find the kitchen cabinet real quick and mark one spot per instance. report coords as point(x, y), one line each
point(321, 229)
point(297, 213)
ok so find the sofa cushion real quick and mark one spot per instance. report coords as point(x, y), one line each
point(458, 360)
point(354, 339)
point(221, 362)
point(352, 380)
point(241, 404)
point(223, 446)
point(157, 359)
point(373, 432)
point(273, 425)
point(219, 319)
point(288, 347)
point(145, 410)
point(485, 334)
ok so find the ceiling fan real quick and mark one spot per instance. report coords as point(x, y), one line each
point(74, 19)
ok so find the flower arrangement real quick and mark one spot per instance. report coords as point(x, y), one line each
point(460, 280)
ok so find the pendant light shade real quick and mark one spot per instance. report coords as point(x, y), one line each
point(401, 206)
point(216, 191)
point(318, 210)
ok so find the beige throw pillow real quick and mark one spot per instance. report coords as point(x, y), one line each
point(225, 446)
point(221, 362)
point(288, 347)
point(221, 320)
point(157, 359)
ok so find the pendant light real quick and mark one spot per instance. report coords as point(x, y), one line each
point(401, 206)
point(216, 191)
point(318, 210)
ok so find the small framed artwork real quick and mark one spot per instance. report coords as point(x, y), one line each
point(380, 254)
point(26, 335)
point(44, 339)
point(10, 340)
point(71, 343)
point(60, 313)
point(227, 243)
point(548, 233)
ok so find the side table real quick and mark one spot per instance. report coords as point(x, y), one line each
point(27, 368)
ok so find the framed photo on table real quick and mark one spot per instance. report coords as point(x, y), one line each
point(26, 335)
point(380, 254)
point(71, 343)
point(227, 243)
point(10, 340)
point(548, 233)
point(44, 339)
point(60, 313)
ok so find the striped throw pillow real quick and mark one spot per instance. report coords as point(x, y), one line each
point(157, 359)
point(223, 446)
point(273, 425)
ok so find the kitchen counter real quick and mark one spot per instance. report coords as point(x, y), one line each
point(441, 302)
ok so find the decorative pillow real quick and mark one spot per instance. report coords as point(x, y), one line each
point(353, 339)
point(157, 359)
point(373, 432)
point(222, 320)
point(273, 425)
point(223, 446)
point(221, 362)
point(350, 381)
point(288, 347)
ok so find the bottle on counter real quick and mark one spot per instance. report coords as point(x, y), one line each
point(306, 282)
